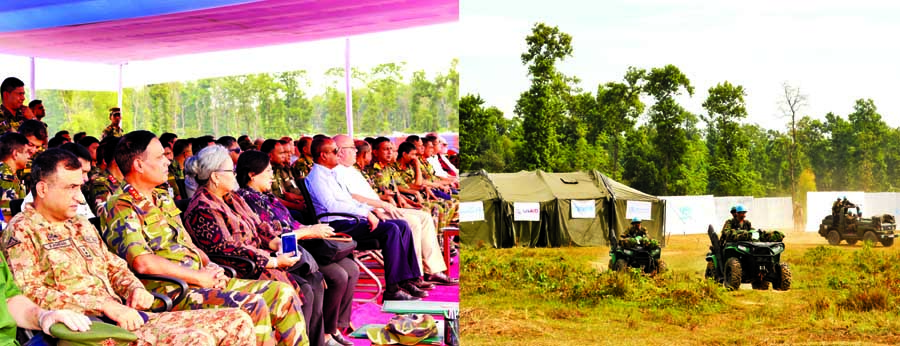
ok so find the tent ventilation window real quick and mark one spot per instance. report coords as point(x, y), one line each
point(568, 181)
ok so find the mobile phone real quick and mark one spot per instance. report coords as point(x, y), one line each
point(289, 243)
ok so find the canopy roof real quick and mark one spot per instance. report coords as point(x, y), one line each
point(118, 31)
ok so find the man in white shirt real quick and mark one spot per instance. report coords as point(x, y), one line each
point(401, 268)
point(441, 155)
point(421, 223)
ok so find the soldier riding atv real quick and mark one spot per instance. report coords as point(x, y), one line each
point(846, 223)
point(732, 262)
point(636, 250)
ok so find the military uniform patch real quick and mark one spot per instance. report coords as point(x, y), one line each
point(86, 252)
point(12, 242)
point(58, 244)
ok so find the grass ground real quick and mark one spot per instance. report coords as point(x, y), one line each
point(566, 296)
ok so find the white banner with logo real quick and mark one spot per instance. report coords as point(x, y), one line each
point(638, 209)
point(527, 211)
point(583, 209)
point(471, 211)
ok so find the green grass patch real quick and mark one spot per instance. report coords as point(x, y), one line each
point(541, 296)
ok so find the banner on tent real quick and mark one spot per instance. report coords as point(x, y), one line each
point(583, 209)
point(638, 209)
point(471, 211)
point(526, 211)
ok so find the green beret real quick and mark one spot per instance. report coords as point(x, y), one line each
point(102, 334)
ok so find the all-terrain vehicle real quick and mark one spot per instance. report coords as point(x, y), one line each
point(758, 263)
point(852, 227)
point(639, 256)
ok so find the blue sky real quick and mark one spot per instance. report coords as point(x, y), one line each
point(834, 51)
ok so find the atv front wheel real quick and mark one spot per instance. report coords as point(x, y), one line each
point(834, 237)
point(784, 272)
point(887, 242)
point(733, 274)
point(661, 267)
point(710, 271)
point(621, 265)
point(760, 285)
point(870, 237)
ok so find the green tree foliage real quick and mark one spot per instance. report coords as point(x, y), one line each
point(542, 107)
point(660, 148)
point(269, 105)
point(671, 121)
point(485, 137)
point(730, 172)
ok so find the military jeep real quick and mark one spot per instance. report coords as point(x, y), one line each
point(851, 227)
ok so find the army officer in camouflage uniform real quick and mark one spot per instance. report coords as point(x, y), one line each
point(143, 226)
point(14, 155)
point(59, 262)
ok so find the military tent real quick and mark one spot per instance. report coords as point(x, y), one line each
point(572, 209)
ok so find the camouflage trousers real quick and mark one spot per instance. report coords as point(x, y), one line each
point(443, 210)
point(269, 304)
point(201, 327)
point(431, 260)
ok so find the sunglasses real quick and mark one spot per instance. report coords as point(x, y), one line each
point(235, 150)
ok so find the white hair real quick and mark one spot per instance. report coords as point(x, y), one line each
point(204, 163)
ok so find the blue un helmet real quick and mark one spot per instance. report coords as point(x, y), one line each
point(740, 209)
point(635, 220)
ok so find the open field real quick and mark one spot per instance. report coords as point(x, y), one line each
point(565, 296)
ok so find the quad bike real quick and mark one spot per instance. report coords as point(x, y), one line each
point(639, 256)
point(758, 263)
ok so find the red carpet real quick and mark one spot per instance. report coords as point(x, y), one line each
point(366, 313)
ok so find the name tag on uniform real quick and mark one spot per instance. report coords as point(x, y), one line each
point(86, 252)
point(58, 244)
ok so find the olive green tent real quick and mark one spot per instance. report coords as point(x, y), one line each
point(621, 195)
point(556, 194)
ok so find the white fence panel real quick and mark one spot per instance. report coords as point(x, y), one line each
point(690, 214)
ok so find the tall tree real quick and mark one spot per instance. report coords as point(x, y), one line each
point(620, 105)
point(670, 121)
point(543, 106)
point(730, 173)
point(791, 105)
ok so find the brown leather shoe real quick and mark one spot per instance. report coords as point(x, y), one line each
point(410, 287)
point(421, 284)
point(441, 279)
point(397, 294)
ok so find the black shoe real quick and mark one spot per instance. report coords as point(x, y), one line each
point(441, 279)
point(340, 339)
point(410, 287)
point(397, 295)
point(422, 285)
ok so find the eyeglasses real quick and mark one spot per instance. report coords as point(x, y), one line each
point(335, 151)
point(350, 147)
point(116, 115)
point(228, 170)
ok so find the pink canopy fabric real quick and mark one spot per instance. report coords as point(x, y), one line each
point(243, 25)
